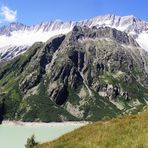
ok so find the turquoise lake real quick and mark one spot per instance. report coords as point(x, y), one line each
point(15, 136)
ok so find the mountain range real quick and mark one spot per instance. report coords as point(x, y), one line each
point(15, 38)
point(89, 70)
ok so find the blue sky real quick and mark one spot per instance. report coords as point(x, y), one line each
point(34, 11)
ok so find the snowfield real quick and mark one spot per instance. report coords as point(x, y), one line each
point(143, 40)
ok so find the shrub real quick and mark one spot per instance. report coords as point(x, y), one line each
point(31, 142)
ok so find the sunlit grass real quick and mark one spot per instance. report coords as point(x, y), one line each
point(122, 132)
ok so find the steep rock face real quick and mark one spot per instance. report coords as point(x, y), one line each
point(89, 74)
point(36, 68)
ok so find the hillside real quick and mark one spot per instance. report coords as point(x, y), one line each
point(89, 74)
point(129, 131)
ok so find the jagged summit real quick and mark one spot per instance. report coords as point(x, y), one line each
point(120, 22)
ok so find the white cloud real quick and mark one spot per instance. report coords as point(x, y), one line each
point(8, 14)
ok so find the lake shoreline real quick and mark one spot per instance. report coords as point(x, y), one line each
point(18, 132)
point(45, 124)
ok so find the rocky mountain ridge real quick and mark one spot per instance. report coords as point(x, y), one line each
point(87, 74)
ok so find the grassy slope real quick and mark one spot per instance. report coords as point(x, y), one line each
point(126, 132)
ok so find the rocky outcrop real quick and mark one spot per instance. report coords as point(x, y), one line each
point(59, 95)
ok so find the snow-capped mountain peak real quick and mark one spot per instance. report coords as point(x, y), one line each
point(15, 26)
